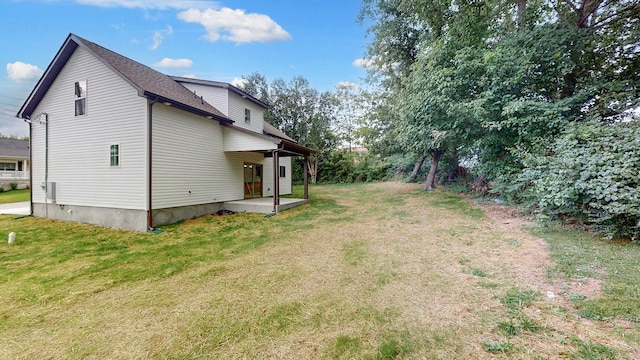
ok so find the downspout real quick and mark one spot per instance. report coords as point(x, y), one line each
point(305, 165)
point(149, 167)
point(46, 165)
point(276, 180)
point(28, 121)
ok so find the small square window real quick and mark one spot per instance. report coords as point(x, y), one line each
point(80, 97)
point(247, 116)
point(114, 155)
point(283, 171)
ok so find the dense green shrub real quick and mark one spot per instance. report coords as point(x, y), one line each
point(346, 167)
point(14, 186)
point(592, 175)
point(338, 167)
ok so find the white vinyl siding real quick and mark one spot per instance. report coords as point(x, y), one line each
point(232, 105)
point(285, 182)
point(189, 164)
point(79, 146)
point(237, 108)
point(215, 96)
point(236, 140)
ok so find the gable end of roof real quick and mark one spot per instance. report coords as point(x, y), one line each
point(147, 81)
point(47, 78)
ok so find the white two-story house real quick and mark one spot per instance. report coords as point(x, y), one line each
point(118, 144)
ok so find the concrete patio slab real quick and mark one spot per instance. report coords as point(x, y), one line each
point(262, 205)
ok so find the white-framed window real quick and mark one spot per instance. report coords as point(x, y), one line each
point(247, 116)
point(8, 166)
point(114, 155)
point(283, 171)
point(81, 97)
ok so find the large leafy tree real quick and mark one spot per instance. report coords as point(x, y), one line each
point(397, 32)
point(439, 110)
point(511, 81)
point(567, 62)
point(510, 73)
point(424, 53)
point(348, 110)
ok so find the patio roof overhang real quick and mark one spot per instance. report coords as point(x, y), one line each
point(244, 140)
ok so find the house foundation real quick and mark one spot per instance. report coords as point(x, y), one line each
point(109, 217)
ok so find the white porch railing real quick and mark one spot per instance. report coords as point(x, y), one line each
point(14, 174)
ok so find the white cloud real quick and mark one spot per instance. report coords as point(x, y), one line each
point(239, 82)
point(151, 4)
point(157, 40)
point(363, 63)
point(348, 85)
point(158, 36)
point(174, 63)
point(19, 71)
point(235, 25)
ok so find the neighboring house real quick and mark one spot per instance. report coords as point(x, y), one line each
point(116, 143)
point(14, 163)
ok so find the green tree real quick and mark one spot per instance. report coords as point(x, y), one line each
point(397, 32)
point(567, 63)
point(504, 81)
point(348, 110)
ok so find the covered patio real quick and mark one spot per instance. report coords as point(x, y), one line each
point(272, 144)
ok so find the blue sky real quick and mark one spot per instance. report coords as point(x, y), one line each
point(320, 40)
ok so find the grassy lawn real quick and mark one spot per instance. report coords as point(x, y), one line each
point(367, 271)
point(12, 196)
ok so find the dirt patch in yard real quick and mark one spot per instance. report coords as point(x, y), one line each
point(536, 259)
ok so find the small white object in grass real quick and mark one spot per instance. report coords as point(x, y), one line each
point(12, 237)
point(550, 295)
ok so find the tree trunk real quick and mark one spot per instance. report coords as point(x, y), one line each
point(416, 168)
point(315, 170)
point(522, 5)
point(430, 184)
point(312, 169)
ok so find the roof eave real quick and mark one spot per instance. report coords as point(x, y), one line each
point(295, 148)
point(286, 146)
point(47, 78)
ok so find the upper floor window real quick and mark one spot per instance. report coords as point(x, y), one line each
point(81, 97)
point(114, 155)
point(247, 116)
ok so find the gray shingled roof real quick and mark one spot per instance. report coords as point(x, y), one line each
point(149, 82)
point(273, 131)
point(14, 148)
